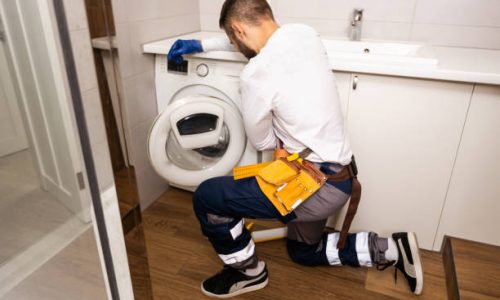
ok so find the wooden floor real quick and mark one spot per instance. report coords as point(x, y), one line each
point(180, 258)
point(477, 269)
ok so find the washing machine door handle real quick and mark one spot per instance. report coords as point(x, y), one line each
point(197, 125)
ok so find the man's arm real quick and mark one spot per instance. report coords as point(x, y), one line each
point(181, 47)
point(260, 133)
point(258, 119)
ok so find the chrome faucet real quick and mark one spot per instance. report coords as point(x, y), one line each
point(357, 17)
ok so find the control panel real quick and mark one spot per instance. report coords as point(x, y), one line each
point(173, 67)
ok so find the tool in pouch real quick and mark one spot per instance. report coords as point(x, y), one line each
point(278, 184)
point(287, 182)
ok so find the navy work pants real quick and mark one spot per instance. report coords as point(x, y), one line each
point(221, 204)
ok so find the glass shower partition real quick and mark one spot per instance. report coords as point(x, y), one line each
point(54, 241)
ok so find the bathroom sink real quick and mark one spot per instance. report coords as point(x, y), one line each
point(379, 52)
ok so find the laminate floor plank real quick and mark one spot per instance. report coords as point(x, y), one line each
point(180, 257)
point(477, 268)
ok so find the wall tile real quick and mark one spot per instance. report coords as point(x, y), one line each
point(459, 36)
point(385, 10)
point(119, 11)
point(138, 143)
point(209, 22)
point(76, 14)
point(140, 98)
point(159, 9)
point(326, 27)
point(149, 184)
point(458, 12)
point(152, 30)
point(390, 19)
point(215, 6)
point(211, 6)
point(476, 22)
point(382, 10)
point(124, 49)
point(332, 28)
point(386, 30)
point(84, 59)
point(310, 9)
point(94, 116)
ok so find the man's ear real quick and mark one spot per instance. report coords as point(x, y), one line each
point(239, 30)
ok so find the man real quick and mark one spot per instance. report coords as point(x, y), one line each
point(288, 94)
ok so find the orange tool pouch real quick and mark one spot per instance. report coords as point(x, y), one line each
point(286, 182)
point(289, 181)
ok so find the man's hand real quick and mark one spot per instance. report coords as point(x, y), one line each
point(181, 47)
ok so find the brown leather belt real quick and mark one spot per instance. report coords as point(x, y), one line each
point(348, 172)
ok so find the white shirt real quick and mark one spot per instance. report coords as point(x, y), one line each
point(289, 93)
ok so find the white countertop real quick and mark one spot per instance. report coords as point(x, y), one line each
point(454, 64)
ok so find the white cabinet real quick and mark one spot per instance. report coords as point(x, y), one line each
point(473, 202)
point(405, 134)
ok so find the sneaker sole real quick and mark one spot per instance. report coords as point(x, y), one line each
point(412, 240)
point(238, 292)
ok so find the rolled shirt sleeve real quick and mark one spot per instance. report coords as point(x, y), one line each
point(217, 44)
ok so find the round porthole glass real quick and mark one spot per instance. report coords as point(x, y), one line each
point(198, 158)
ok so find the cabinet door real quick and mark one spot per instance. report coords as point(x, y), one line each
point(472, 204)
point(405, 134)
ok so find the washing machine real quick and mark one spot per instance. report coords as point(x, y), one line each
point(199, 132)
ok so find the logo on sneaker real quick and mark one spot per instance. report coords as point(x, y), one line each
point(242, 284)
point(409, 268)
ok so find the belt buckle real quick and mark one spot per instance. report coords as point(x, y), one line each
point(353, 168)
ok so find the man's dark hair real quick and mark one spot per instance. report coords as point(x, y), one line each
point(249, 11)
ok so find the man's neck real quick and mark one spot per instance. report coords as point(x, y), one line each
point(268, 28)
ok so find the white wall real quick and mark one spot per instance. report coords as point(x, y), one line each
point(139, 22)
point(467, 23)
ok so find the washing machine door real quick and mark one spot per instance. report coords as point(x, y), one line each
point(196, 138)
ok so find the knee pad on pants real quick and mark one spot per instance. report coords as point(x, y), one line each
point(305, 254)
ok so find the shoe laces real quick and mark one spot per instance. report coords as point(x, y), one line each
point(383, 266)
